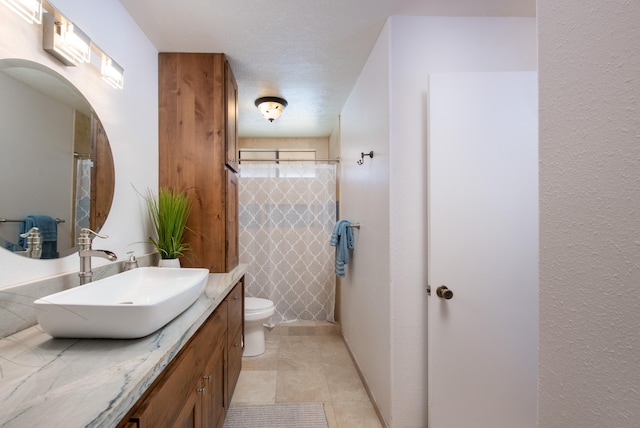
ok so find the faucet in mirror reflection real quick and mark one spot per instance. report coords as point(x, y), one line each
point(29, 244)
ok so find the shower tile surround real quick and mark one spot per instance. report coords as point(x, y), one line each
point(16, 302)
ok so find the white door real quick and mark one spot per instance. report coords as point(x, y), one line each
point(483, 246)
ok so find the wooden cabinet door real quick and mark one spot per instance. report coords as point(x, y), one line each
point(191, 147)
point(166, 400)
point(235, 338)
point(235, 307)
point(102, 177)
point(231, 96)
point(213, 406)
point(231, 239)
point(190, 413)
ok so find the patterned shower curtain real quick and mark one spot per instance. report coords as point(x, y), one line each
point(286, 215)
point(83, 195)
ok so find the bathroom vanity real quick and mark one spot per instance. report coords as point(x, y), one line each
point(194, 390)
point(182, 375)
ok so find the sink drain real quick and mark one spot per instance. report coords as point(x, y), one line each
point(125, 303)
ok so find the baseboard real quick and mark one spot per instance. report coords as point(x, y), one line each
point(366, 387)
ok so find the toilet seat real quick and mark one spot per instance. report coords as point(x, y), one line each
point(254, 304)
point(256, 309)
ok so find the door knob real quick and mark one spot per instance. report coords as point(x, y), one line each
point(444, 292)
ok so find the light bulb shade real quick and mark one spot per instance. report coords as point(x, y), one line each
point(271, 107)
point(29, 10)
point(112, 72)
point(65, 41)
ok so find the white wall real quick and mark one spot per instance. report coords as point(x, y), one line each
point(589, 340)
point(38, 157)
point(130, 118)
point(396, 281)
point(364, 198)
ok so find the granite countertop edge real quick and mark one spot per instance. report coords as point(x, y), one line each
point(93, 382)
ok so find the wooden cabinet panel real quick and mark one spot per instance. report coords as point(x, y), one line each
point(213, 408)
point(162, 405)
point(235, 338)
point(234, 363)
point(231, 94)
point(190, 413)
point(102, 177)
point(232, 253)
point(197, 138)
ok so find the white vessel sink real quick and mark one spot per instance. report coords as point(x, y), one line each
point(128, 305)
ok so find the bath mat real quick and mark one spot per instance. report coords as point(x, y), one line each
point(304, 415)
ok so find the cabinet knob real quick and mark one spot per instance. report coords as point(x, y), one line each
point(201, 390)
point(206, 377)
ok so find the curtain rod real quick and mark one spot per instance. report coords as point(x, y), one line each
point(290, 160)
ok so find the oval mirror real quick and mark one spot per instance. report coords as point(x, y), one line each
point(56, 163)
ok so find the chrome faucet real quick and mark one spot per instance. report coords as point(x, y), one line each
point(86, 252)
point(33, 239)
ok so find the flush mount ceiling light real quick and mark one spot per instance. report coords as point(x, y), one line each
point(271, 107)
point(29, 10)
point(65, 41)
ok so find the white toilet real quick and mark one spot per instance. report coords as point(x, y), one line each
point(256, 312)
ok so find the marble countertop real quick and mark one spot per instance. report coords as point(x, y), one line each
point(47, 382)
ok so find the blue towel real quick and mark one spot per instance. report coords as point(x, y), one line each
point(48, 228)
point(342, 239)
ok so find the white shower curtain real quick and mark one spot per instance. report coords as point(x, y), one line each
point(287, 213)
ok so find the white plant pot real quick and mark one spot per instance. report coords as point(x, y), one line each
point(174, 263)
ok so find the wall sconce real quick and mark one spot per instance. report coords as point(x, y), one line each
point(271, 107)
point(112, 72)
point(29, 10)
point(65, 41)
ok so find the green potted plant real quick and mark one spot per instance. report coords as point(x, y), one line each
point(169, 213)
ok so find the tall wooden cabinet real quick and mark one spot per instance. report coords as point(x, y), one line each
point(198, 151)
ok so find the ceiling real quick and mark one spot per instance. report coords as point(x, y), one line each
point(309, 52)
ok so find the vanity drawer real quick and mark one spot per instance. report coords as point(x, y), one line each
point(212, 333)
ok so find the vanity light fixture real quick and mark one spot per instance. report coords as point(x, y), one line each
point(65, 41)
point(271, 107)
point(112, 72)
point(29, 10)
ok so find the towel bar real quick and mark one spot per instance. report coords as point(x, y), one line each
point(356, 225)
point(4, 220)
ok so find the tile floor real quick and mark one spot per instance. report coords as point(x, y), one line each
point(307, 362)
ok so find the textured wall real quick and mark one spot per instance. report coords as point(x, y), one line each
point(589, 339)
point(365, 292)
point(384, 301)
